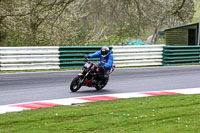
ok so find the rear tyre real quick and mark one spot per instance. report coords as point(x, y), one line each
point(75, 84)
point(101, 86)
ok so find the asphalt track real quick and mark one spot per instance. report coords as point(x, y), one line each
point(27, 87)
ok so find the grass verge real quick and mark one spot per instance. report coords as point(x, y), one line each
point(66, 69)
point(158, 114)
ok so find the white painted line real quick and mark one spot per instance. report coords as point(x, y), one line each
point(187, 91)
point(128, 95)
point(5, 109)
point(66, 101)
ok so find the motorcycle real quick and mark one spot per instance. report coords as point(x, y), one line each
point(91, 76)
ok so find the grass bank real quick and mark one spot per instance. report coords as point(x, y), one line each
point(159, 114)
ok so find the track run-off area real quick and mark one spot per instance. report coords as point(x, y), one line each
point(37, 86)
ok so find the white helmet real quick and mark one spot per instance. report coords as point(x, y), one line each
point(104, 51)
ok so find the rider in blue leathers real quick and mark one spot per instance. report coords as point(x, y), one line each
point(106, 60)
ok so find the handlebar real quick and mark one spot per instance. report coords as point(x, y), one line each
point(86, 59)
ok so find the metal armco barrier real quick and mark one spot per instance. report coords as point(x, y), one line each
point(72, 57)
point(143, 55)
point(32, 58)
point(181, 55)
point(29, 58)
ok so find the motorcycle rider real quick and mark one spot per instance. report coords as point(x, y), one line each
point(106, 60)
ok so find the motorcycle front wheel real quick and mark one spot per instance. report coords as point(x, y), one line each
point(75, 84)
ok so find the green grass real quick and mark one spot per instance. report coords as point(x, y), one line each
point(65, 69)
point(159, 114)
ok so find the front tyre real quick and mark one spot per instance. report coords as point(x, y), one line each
point(75, 84)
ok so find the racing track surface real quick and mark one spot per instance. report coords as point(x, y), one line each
point(27, 87)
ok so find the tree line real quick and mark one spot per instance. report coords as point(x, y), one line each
point(87, 22)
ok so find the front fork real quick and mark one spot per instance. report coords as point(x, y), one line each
point(83, 77)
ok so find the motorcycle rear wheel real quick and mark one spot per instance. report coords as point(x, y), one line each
point(100, 87)
point(75, 84)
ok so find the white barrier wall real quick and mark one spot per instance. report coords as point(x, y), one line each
point(32, 58)
point(29, 58)
point(141, 55)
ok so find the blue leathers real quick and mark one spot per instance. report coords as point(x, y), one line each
point(104, 61)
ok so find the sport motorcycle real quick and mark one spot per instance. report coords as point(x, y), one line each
point(92, 75)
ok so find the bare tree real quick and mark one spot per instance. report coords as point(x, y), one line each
point(79, 22)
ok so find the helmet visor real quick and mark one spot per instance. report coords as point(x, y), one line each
point(104, 53)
